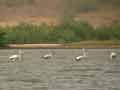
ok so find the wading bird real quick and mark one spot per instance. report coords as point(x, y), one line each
point(16, 56)
point(113, 55)
point(81, 56)
point(48, 56)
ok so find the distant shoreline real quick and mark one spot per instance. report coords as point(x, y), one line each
point(82, 44)
point(35, 45)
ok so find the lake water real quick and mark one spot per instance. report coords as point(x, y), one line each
point(61, 72)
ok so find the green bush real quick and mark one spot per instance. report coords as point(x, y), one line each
point(2, 38)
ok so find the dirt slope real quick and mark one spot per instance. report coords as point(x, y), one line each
point(96, 12)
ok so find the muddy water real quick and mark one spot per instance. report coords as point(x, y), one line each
point(61, 72)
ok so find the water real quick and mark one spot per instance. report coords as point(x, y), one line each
point(62, 72)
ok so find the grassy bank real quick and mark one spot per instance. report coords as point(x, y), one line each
point(94, 44)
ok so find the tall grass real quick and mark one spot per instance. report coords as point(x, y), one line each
point(69, 31)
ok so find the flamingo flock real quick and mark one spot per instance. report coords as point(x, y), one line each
point(19, 56)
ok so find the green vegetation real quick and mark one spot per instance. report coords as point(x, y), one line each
point(67, 32)
point(2, 38)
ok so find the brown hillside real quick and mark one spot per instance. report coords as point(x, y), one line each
point(96, 12)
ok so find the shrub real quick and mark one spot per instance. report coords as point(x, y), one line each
point(2, 38)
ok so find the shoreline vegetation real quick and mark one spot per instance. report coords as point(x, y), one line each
point(69, 34)
point(83, 44)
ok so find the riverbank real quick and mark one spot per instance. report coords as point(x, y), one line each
point(35, 46)
point(82, 44)
point(95, 44)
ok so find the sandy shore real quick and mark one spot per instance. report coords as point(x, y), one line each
point(35, 45)
point(30, 46)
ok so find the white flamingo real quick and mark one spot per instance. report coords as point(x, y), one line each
point(81, 56)
point(16, 56)
point(48, 56)
point(113, 55)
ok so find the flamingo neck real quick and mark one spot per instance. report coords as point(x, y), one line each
point(84, 53)
point(20, 54)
